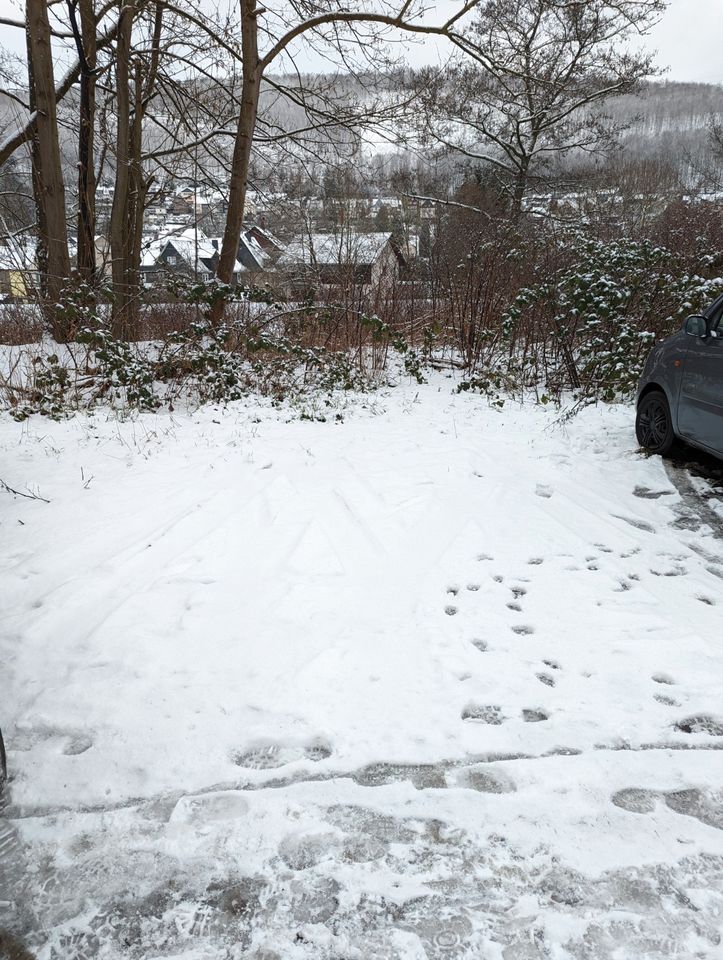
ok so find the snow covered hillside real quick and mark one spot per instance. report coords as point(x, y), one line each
point(437, 680)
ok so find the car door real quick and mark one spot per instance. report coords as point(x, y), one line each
point(700, 407)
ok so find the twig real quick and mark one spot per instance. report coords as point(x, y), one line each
point(18, 493)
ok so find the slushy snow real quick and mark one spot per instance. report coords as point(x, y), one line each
point(435, 680)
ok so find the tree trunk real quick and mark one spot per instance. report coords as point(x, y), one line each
point(41, 254)
point(250, 89)
point(123, 300)
point(519, 191)
point(51, 190)
point(87, 54)
point(136, 192)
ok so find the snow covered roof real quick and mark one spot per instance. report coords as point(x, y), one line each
point(197, 251)
point(17, 254)
point(327, 249)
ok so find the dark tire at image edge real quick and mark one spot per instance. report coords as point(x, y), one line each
point(654, 425)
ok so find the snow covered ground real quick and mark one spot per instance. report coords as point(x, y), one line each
point(438, 680)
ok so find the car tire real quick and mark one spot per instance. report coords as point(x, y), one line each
point(654, 424)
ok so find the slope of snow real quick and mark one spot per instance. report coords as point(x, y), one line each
point(438, 680)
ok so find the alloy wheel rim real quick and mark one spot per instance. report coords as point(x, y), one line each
point(654, 425)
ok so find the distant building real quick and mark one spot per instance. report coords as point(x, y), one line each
point(188, 252)
point(347, 258)
point(18, 268)
point(263, 248)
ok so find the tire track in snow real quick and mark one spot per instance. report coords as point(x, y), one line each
point(694, 503)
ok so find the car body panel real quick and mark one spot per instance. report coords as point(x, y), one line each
point(689, 370)
point(664, 369)
point(700, 405)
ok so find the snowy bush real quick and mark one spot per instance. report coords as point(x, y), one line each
point(260, 351)
point(597, 319)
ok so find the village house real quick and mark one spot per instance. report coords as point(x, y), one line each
point(370, 261)
point(190, 252)
point(18, 269)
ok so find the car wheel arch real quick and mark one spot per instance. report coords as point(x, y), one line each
point(654, 387)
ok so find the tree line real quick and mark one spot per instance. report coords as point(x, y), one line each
point(157, 83)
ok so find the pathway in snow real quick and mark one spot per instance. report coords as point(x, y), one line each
point(437, 681)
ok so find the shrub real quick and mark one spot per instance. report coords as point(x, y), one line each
point(597, 318)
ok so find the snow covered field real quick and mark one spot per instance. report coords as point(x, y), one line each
point(436, 681)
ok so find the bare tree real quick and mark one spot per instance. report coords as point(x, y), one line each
point(530, 82)
point(326, 24)
point(48, 180)
point(84, 34)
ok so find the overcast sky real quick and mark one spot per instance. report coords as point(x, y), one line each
point(688, 39)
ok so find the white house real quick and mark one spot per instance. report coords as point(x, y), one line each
point(347, 258)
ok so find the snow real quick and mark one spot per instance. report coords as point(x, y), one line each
point(335, 248)
point(432, 679)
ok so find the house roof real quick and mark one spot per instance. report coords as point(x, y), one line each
point(197, 251)
point(328, 249)
point(17, 254)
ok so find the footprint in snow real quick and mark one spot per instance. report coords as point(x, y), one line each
point(705, 600)
point(552, 664)
point(481, 557)
point(273, 756)
point(486, 781)
point(645, 493)
point(701, 724)
point(523, 629)
point(518, 592)
point(534, 716)
point(665, 700)
point(676, 571)
point(535, 561)
point(481, 645)
point(634, 522)
point(546, 679)
point(663, 678)
point(544, 491)
point(473, 587)
point(705, 806)
point(478, 713)
point(453, 591)
point(514, 606)
point(634, 800)
point(450, 610)
point(77, 745)
point(224, 805)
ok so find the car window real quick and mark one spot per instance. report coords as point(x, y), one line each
point(716, 317)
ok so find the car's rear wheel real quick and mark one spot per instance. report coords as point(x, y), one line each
point(654, 425)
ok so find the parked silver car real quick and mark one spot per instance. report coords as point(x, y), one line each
point(680, 396)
